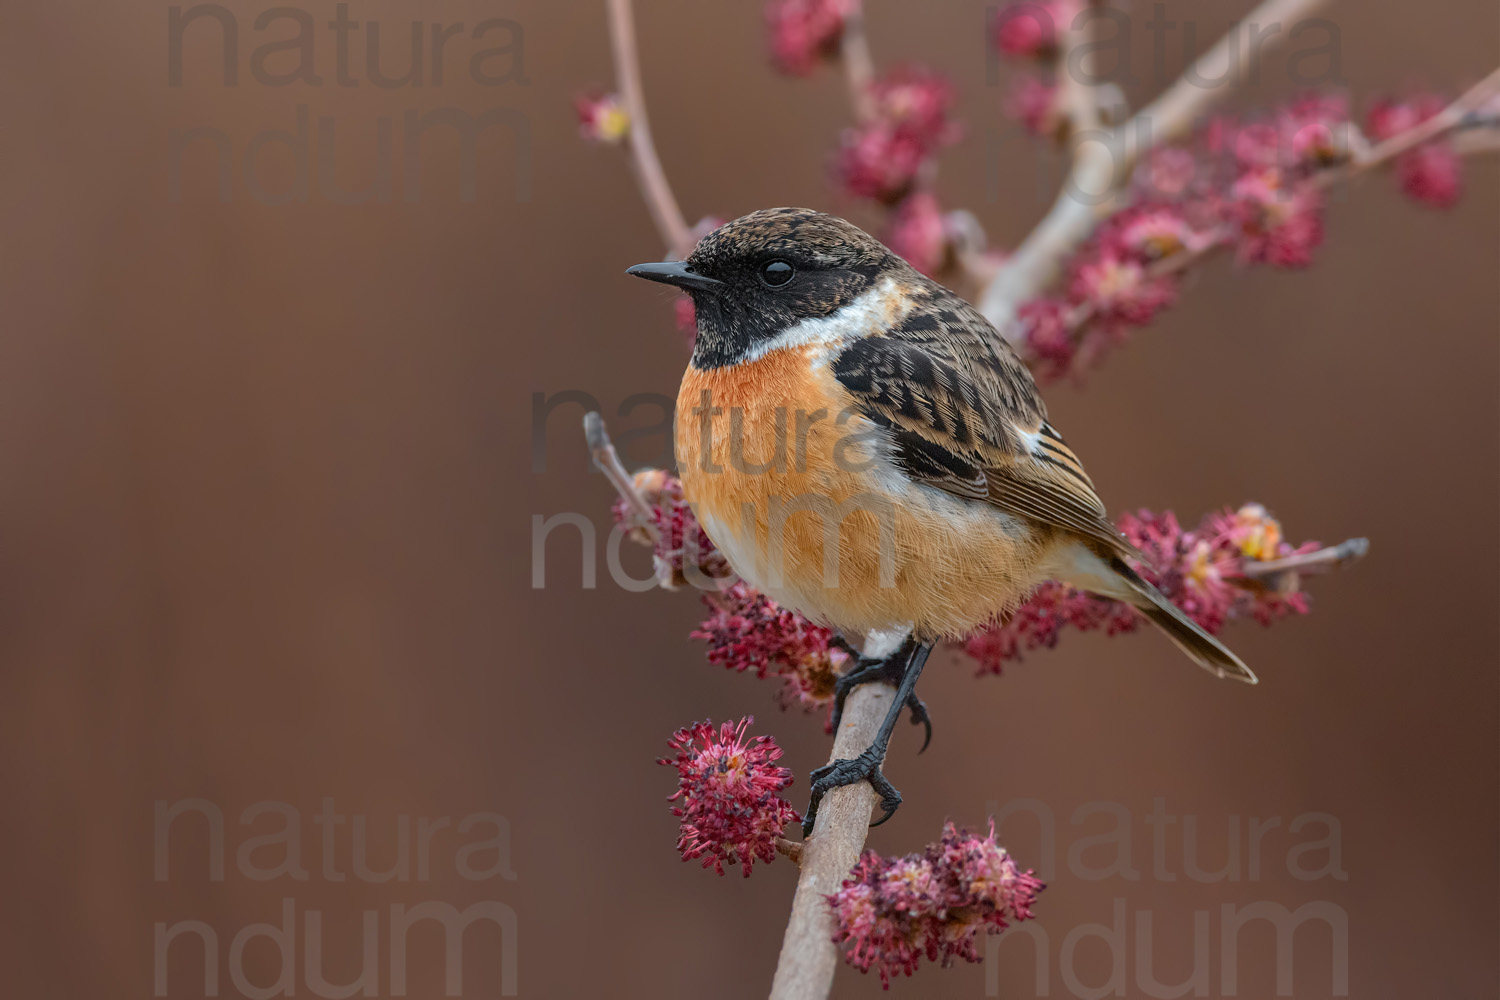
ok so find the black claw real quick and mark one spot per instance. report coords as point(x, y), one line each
point(890, 799)
point(890, 810)
point(920, 717)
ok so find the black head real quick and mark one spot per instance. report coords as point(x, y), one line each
point(752, 278)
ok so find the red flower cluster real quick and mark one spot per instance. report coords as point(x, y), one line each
point(1430, 173)
point(747, 631)
point(1032, 101)
point(726, 794)
point(893, 911)
point(918, 233)
point(1246, 185)
point(804, 32)
point(1251, 185)
point(680, 540)
point(1030, 28)
point(1201, 571)
point(881, 158)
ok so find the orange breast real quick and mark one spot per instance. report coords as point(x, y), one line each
point(791, 483)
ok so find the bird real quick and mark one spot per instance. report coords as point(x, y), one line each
point(865, 448)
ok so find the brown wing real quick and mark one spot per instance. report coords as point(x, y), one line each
point(966, 417)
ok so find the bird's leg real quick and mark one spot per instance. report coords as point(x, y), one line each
point(866, 767)
point(871, 668)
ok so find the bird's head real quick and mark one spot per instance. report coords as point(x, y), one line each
point(762, 274)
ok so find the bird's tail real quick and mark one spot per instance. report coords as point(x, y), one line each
point(1202, 648)
point(1106, 574)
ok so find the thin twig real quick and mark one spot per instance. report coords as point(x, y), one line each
point(1461, 110)
point(1103, 162)
point(660, 201)
point(1451, 118)
point(1320, 561)
point(602, 449)
point(859, 65)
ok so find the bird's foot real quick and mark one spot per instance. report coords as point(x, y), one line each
point(869, 668)
point(837, 773)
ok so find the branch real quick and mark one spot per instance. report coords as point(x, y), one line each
point(648, 170)
point(602, 449)
point(859, 65)
point(1281, 574)
point(1455, 116)
point(809, 956)
point(1471, 133)
point(1104, 159)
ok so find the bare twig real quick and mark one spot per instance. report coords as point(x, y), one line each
point(1103, 161)
point(1483, 137)
point(602, 449)
point(1320, 561)
point(859, 65)
point(790, 849)
point(1450, 119)
point(653, 180)
point(808, 955)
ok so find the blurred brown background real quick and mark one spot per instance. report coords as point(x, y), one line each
point(266, 492)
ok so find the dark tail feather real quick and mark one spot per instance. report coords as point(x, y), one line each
point(1202, 648)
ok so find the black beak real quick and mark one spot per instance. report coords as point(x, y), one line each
point(675, 272)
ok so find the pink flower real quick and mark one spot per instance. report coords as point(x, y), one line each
point(1202, 571)
point(918, 101)
point(602, 118)
point(879, 160)
point(1049, 338)
point(1431, 173)
point(1279, 226)
point(891, 912)
point(1151, 232)
point(680, 537)
point(1038, 622)
point(1032, 101)
point(1389, 118)
point(1120, 289)
point(803, 32)
point(727, 789)
point(1170, 172)
point(1310, 133)
point(747, 631)
point(916, 232)
point(1030, 28)
point(1318, 130)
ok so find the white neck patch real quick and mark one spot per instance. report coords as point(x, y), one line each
point(872, 312)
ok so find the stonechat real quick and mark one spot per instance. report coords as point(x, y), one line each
point(865, 448)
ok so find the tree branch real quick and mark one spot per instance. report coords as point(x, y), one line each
point(660, 201)
point(809, 956)
point(1104, 159)
point(1455, 116)
point(602, 450)
point(859, 65)
point(1281, 574)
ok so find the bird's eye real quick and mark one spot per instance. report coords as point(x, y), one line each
point(776, 272)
